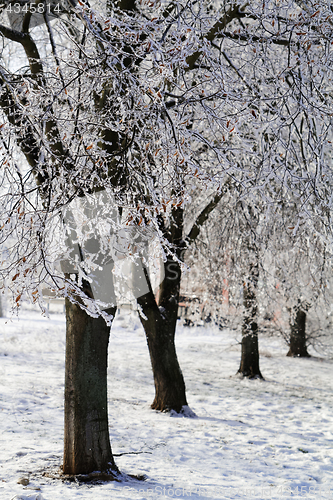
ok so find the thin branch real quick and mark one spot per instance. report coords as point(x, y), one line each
point(203, 216)
point(233, 13)
point(131, 453)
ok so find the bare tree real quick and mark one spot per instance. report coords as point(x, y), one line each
point(159, 107)
point(87, 108)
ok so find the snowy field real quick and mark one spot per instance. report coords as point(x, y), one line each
point(267, 439)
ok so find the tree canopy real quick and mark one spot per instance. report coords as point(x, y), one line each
point(161, 106)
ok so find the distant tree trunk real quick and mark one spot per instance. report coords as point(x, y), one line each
point(87, 444)
point(297, 343)
point(249, 365)
point(160, 326)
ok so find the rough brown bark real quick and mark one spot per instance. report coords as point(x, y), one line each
point(168, 379)
point(160, 326)
point(249, 365)
point(86, 443)
point(297, 343)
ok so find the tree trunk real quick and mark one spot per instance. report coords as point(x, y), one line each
point(249, 365)
point(169, 383)
point(160, 326)
point(87, 444)
point(297, 343)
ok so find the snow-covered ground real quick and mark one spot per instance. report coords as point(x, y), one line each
point(251, 439)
